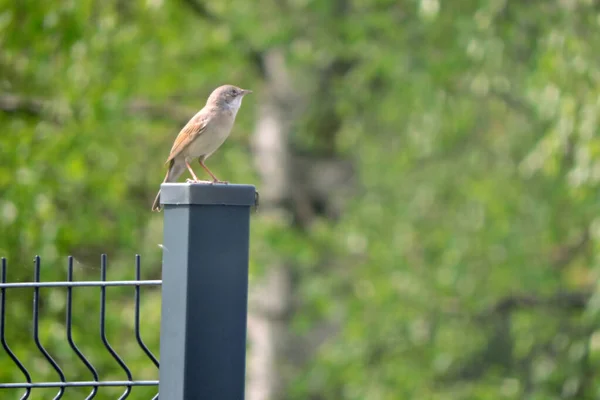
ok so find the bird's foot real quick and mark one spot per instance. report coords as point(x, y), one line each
point(196, 181)
point(218, 181)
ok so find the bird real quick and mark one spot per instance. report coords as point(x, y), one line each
point(203, 135)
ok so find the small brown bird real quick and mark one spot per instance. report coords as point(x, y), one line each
point(204, 134)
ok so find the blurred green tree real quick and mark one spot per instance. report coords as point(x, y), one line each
point(428, 171)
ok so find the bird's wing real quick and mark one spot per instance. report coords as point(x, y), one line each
point(194, 128)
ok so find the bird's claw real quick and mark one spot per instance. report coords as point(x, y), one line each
point(196, 181)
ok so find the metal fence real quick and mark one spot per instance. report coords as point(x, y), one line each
point(69, 284)
point(204, 302)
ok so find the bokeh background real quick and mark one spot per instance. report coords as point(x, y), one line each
point(428, 170)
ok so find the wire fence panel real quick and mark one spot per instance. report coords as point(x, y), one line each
point(201, 316)
point(62, 385)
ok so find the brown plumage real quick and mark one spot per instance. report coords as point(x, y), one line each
point(203, 134)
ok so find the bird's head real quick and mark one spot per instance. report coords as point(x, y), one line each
point(228, 96)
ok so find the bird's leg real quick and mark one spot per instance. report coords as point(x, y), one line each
point(191, 172)
point(215, 179)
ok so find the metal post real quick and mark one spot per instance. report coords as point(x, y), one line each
point(204, 291)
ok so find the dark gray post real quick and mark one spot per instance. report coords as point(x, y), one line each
point(204, 291)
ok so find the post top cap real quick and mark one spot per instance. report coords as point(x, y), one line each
point(207, 194)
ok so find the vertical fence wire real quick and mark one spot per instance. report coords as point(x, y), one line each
point(103, 264)
point(138, 336)
point(36, 328)
point(69, 323)
point(12, 355)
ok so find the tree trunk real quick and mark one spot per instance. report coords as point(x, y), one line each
point(271, 298)
point(297, 185)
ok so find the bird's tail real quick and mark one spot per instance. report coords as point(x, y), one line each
point(174, 171)
point(156, 204)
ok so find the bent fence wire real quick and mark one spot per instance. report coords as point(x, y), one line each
point(27, 385)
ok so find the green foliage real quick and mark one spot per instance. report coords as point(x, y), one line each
point(474, 128)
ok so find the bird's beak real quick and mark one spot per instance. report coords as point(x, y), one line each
point(246, 91)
